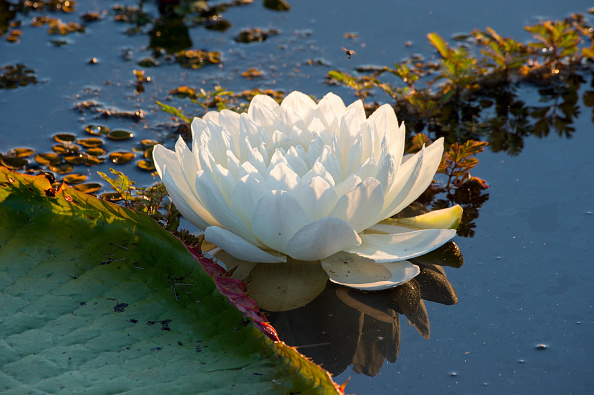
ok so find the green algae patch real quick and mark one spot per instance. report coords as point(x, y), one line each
point(99, 298)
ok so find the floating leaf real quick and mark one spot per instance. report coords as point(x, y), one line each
point(20, 152)
point(148, 165)
point(62, 168)
point(115, 302)
point(91, 142)
point(74, 178)
point(77, 159)
point(48, 159)
point(148, 153)
point(111, 196)
point(97, 130)
point(96, 151)
point(66, 149)
point(147, 142)
point(13, 162)
point(88, 187)
point(120, 135)
point(121, 158)
point(93, 160)
point(65, 138)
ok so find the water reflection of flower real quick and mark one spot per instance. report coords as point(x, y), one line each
point(338, 326)
point(309, 181)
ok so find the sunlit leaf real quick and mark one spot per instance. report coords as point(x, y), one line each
point(107, 300)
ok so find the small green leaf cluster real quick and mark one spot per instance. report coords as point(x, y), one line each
point(150, 201)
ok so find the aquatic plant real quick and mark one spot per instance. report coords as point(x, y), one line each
point(309, 182)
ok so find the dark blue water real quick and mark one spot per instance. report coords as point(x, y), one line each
point(527, 280)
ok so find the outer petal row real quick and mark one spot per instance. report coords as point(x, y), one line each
point(357, 272)
point(396, 247)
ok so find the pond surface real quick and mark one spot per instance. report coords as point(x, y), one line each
point(524, 320)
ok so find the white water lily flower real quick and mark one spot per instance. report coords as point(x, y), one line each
point(313, 182)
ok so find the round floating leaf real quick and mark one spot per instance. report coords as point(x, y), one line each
point(74, 178)
point(107, 300)
point(65, 138)
point(88, 187)
point(121, 158)
point(93, 160)
point(97, 130)
point(77, 159)
point(148, 153)
point(148, 165)
point(20, 152)
point(120, 135)
point(62, 168)
point(111, 196)
point(96, 151)
point(91, 142)
point(48, 158)
point(66, 149)
point(13, 163)
point(147, 142)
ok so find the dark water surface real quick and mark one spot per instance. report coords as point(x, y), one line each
point(524, 321)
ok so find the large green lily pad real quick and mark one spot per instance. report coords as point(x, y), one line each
point(96, 298)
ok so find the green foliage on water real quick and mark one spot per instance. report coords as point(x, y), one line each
point(470, 92)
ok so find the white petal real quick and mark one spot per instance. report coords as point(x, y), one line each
point(238, 247)
point(211, 116)
point(215, 204)
point(249, 129)
point(396, 247)
point(329, 111)
point(179, 190)
point(317, 128)
point(318, 170)
point(261, 111)
point(402, 184)
point(384, 123)
point(245, 197)
point(287, 119)
point(368, 169)
point(282, 178)
point(295, 160)
point(355, 156)
point(278, 140)
point(299, 102)
point(317, 197)
point(257, 160)
point(314, 151)
point(361, 205)
point(200, 132)
point(278, 157)
point(350, 127)
point(229, 120)
point(389, 229)
point(277, 218)
point(219, 143)
point(186, 158)
point(386, 173)
point(431, 160)
point(226, 182)
point(321, 239)
point(347, 185)
point(233, 165)
point(361, 273)
point(331, 164)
